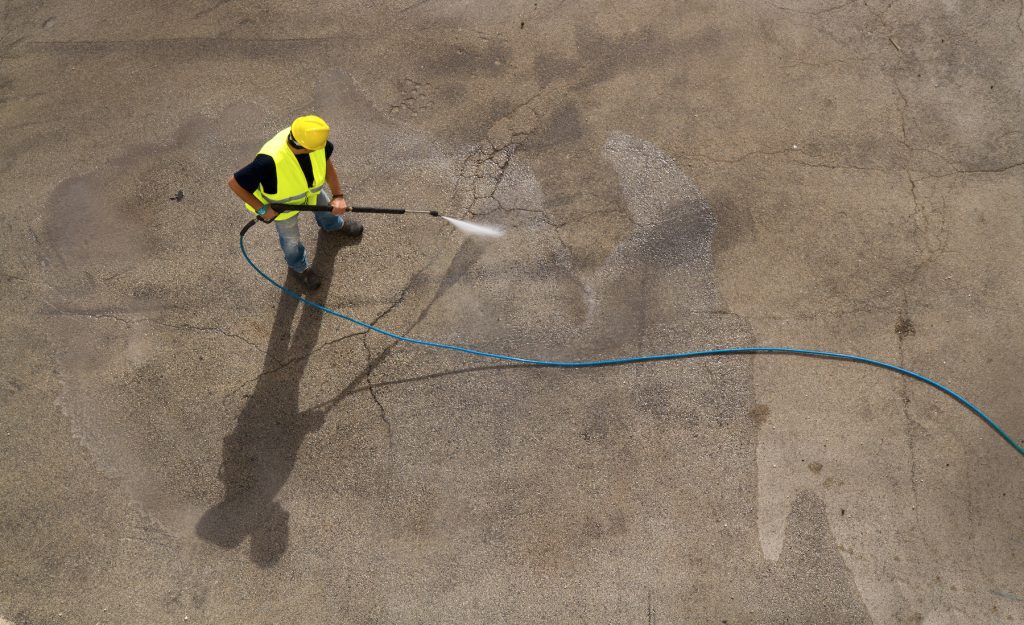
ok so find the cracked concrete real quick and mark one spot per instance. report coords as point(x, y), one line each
point(839, 174)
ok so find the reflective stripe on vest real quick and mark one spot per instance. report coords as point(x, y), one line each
point(292, 187)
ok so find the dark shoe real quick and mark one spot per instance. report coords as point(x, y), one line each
point(308, 279)
point(352, 228)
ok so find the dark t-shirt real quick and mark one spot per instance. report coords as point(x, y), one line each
point(262, 171)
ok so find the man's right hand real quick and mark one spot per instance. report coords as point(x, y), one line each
point(269, 215)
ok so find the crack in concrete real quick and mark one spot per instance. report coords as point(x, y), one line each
point(913, 429)
point(953, 165)
point(213, 329)
point(74, 313)
point(543, 215)
point(732, 161)
point(482, 173)
point(929, 250)
point(102, 45)
point(210, 9)
point(412, 6)
point(967, 172)
point(815, 12)
point(1020, 17)
point(13, 278)
point(130, 322)
point(903, 113)
point(835, 166)
point(830, 63)
point(291, 361)
point(816, 316)
point(918, 211)
point(373, 391)
point(371, 360)
point(794, 156)
point(922, 222)
point(419, 99)
point(485, 167)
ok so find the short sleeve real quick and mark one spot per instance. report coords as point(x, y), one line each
point(260, 171)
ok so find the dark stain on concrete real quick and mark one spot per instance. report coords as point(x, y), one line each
point(474, 58)
point(607, 56)
point(735, 221)
point(596, 427)
point(562, 126)
point(90, 228)
point(6, 91)
point(548, 67)
point(759, 414)
point(905, 327)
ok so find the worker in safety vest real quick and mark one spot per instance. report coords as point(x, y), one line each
point(292, 168)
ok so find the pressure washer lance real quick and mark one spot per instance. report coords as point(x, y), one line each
point(280, 208)
point(463, 226)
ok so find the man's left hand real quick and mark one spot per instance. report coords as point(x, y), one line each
point(338, 206)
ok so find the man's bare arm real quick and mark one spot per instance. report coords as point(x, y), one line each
point(338, 204)
point(249, 198)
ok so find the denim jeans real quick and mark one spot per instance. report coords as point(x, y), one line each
point(288, 234)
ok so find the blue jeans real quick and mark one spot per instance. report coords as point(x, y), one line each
point(291, 243)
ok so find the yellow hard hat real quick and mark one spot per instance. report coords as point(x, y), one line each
point(310, 132)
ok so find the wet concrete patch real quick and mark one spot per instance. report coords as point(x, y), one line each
point(91, 229)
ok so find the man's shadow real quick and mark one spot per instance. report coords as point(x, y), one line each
point(260, 453)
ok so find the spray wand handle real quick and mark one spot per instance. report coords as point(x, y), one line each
point(391, 211)
point(374, 209)
point(280, 208)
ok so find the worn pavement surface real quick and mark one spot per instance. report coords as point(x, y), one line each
point(179, 441)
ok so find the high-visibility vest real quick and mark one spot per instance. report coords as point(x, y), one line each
point(291, 182)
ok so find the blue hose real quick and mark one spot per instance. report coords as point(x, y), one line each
point(634, 359)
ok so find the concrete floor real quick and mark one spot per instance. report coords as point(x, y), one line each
point(179, 441)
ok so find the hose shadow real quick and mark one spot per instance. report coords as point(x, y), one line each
point(260, 453)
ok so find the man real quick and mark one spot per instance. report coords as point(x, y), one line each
point(292, 168)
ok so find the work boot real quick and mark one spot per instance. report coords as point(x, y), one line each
point(308, 278)
point(351, 228)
